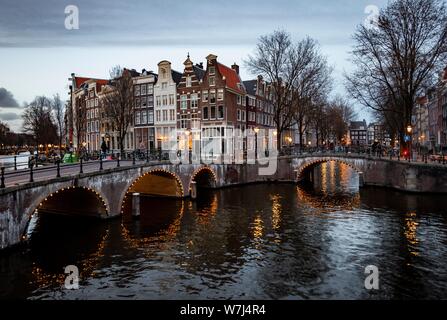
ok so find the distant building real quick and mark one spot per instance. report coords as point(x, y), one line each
point(358, 133)
point(420, 123)
point(377, 133)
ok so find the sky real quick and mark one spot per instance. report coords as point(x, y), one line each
point(38, 53)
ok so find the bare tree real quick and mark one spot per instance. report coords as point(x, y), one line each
point(59, 116)
point(395, 59)
point(281, 62)
point(119, 103)
point(340, 113)
point(38, 121)
point(311, 87)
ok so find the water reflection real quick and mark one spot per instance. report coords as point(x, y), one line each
point(260, 241)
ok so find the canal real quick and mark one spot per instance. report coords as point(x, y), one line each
point(277, 241)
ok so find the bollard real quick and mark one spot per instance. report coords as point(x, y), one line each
point(361, 180)
point(15, 163)
point(147, 156)
point(58, 170)
point(135, 204)
point(100, 163)
point(31, 176)
point(193, 191)
point(133, 158)
point(2, 183)
point(117, 160)
point(80, 166)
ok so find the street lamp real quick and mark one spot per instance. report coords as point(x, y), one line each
point(409, 130)
point(256, 130)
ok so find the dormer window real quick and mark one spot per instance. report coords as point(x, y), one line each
point(212, 70)
point(211, 81)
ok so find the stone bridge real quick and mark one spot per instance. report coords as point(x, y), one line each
point(103, 193)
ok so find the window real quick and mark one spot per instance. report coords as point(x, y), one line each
point(88, 114)
point(244, 101)
point(137, 118)
point(164, 85)
point(143, 89)
point(96, 102)
point(205, 96)
point(238, 115)
point(150, 88)
point(165, 100)
point(171, 100)
point(143, 117)
point(205, 113)
point(183, 101)
point(96, 112)
point(211, 81)
point(220, 112)
point(91, 94)
point(137, 102)
point(97, 125)
point(143, 102)
point(213, 112)
point(212, 96)
point(194, 100)
point(158, 101)
point(150, 101)
point(150, 116)
point(171, 115)
point(184, 121)
point(220, 94)
point(137, 91)
point(212, 70)
point(243, 115)
point(88, 126)
point(239, 99)
point(158, 116)
point(188, 81)
point(165, 115)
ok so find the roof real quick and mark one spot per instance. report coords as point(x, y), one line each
point(231, 77)
point(79, 81)
point(176, 76)
point(250, 86)
point(355, 125)
point(199, 72)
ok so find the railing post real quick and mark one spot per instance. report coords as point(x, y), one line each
point(15, 163)
point(100, 163)
point(147, 156)
point(2, 183)
point(133, 157)
point(80, 166)
point(58, 174)
point(31, 177)
point(117, 160)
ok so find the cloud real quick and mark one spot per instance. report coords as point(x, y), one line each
point(7, 99)
point(9, 116)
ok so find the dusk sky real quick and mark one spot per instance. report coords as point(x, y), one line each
point(38, 54)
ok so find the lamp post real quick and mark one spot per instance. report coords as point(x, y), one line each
point(256, 130)
point(409, 130)
point(188, 134)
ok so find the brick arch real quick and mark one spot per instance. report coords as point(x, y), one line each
point(311, 164)
point(57, 191)
point(198, 171)
point(179, 185)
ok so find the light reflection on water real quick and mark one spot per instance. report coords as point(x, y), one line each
point(262, 241)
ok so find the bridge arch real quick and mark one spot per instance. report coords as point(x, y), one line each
point(205, 177)
point(155, 182)
point(311, 164)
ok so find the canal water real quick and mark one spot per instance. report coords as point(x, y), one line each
point(262, 241)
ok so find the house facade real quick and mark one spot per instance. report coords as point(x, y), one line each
point(165, 108)
point(144, 130)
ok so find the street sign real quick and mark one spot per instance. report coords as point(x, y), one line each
point(407, 138)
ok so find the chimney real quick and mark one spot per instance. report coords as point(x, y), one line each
point(235, 67)
point(199, 65)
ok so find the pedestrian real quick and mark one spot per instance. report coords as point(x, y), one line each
point(103, 147)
